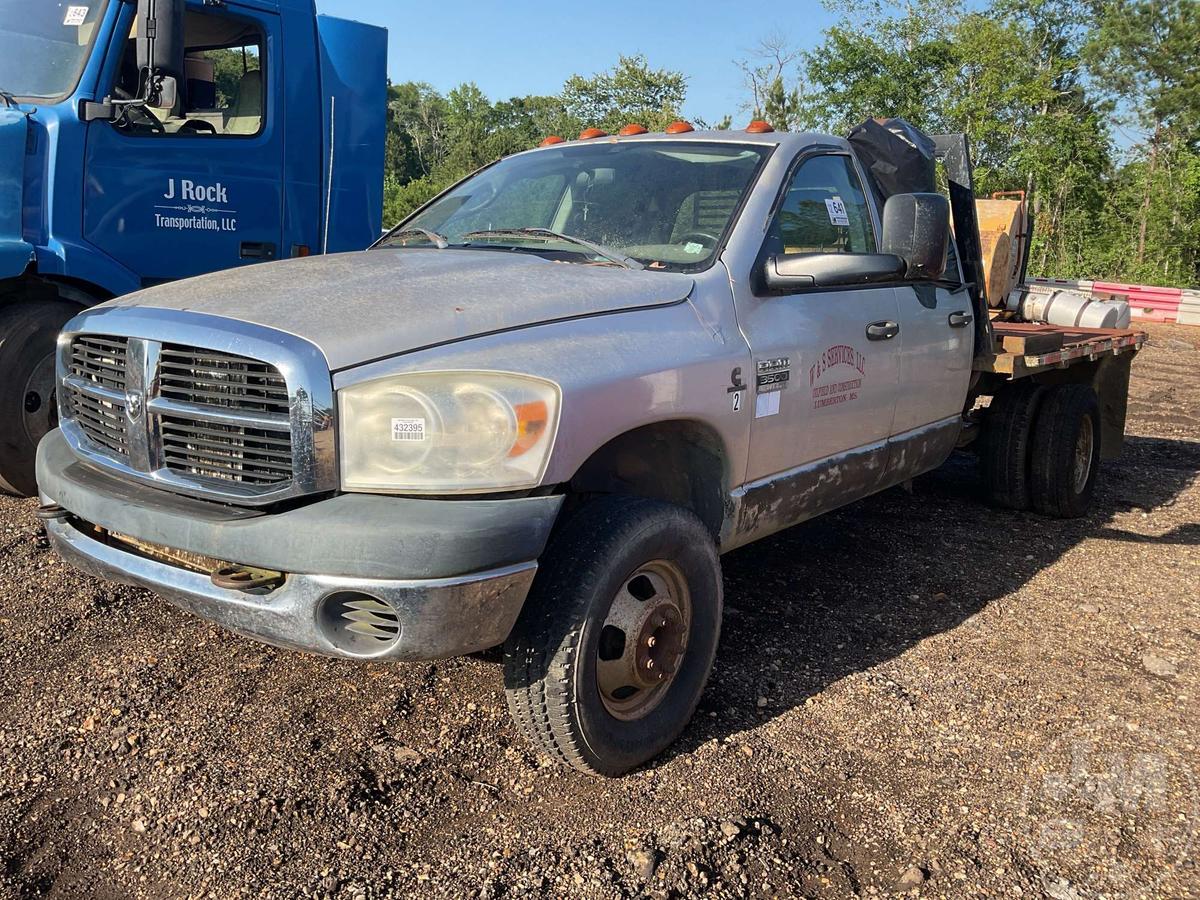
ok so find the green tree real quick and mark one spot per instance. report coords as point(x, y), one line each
point(629, 92)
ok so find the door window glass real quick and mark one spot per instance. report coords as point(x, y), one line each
point(824, 211)
point(223, 91)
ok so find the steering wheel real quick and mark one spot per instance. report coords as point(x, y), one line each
point(702, 237)
point(197, 126)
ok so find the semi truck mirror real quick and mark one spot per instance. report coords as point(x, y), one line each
point(160, 49)
point(789, 272)
point(916, 227)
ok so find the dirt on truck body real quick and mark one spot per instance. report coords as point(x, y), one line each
point(901, 690)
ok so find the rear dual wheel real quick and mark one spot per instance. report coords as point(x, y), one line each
point(608, 661)
point(1041, 449)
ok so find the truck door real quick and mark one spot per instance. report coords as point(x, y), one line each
point(936, 321)
point(177, 192)
point(823, 392)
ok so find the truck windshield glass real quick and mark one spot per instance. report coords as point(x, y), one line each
point(44, 45)
point(665, 204)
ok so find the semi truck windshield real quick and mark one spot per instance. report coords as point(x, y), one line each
point(44, 45)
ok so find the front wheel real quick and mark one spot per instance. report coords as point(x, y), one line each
point(608, 661)
point(28, 331)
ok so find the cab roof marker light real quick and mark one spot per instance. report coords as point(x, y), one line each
point(633, 129)
point(551, 141)
point(589, 133)
point(758, 126)
point(680, 127)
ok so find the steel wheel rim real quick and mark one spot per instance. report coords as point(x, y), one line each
point(38, 414)
point(1083, 454)
point(643, 640)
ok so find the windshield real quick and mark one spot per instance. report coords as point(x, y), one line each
point(665, 204)
point(44, 44)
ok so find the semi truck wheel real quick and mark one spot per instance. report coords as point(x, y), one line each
point(1066, 451)
point(27, 403)
point(1004, 445)
point(611, 654)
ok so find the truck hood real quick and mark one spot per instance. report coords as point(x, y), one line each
point(15, 253)
point(358, 307)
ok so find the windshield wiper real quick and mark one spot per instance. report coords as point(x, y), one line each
point(611, 255)
point(433, 237)
point(9, 100)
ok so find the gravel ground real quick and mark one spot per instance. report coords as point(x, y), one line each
point(916, 694)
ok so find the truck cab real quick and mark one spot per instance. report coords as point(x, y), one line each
point(267, 144)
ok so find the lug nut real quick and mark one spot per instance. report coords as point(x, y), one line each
point(649, 664)
point(651, 641)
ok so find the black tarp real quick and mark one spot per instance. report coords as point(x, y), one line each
point(898, 156)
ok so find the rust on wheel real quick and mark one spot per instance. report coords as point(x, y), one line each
point(643, 640)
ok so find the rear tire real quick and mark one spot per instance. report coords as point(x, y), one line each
point(629, 591)
point(28, 331)
point(1066, 452)
point(1004, 456)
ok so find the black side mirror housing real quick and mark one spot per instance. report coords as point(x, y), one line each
point(797, 271)
point(916, 227)
point(160, 50)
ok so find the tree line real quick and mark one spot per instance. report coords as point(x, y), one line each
point(1090, 106)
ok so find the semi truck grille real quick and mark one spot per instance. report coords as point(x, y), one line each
point(194, 414)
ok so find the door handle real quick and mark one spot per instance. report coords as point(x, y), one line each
point(960, 319)
point(882, 331)
point(256, 250)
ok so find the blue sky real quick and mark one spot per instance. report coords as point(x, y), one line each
point(515, 48)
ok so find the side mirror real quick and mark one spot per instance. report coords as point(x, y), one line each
point(916, 227)
point(796, 271)
point(160, 50)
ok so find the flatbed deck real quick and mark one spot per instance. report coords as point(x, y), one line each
point(1020, 349)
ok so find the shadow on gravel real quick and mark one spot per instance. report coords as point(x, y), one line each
point(857, 587)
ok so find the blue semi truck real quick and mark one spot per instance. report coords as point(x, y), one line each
point(143, 141)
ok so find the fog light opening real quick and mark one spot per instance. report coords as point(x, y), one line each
point(359, 624)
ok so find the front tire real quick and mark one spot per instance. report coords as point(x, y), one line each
point(28, 331)
point(609, 658)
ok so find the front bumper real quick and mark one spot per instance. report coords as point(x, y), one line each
point(450, 577)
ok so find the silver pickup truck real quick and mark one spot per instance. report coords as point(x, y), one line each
point(538, 412)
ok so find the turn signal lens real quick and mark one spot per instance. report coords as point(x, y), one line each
point(532, 420)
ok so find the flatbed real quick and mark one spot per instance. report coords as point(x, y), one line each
point(1020, 349)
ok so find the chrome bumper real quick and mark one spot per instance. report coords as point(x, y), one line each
point(437, 617)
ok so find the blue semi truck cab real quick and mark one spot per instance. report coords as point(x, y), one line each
point(143, 141)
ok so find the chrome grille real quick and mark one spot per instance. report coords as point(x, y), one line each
point(183, 415)
point(230, 452)
point(99, 361)
point(219, 379)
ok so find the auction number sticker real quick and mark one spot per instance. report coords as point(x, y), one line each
point(837, 211)
point(408, 429)
point(76, 15)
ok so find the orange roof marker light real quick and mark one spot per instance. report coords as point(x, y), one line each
point(551, 141)
point(758, 126)
point(680, 127)
point(589, 133)
point(633, 128)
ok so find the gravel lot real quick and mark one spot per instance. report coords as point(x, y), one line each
point(914, 694)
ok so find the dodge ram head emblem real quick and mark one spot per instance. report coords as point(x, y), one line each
point(133, 405)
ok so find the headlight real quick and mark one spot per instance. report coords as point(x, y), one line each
point(446, 432)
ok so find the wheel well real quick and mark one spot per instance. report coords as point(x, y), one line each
point(681, 462)
point(33, 287)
